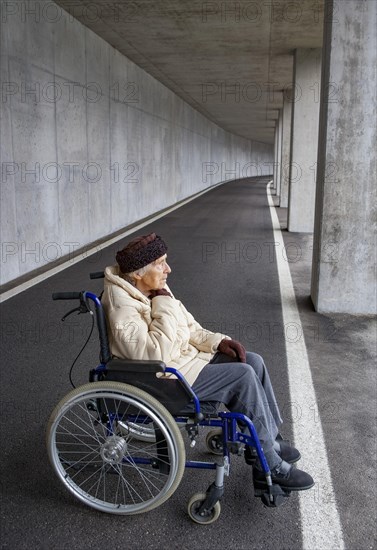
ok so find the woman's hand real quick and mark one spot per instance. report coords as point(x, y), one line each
point(234, 349)
point(159, 292)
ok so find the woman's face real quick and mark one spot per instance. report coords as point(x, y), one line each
point(155, 277)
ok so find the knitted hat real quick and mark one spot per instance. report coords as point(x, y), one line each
point(140, 252)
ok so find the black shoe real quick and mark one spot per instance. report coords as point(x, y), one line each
point(288, 453)
point(286, 476)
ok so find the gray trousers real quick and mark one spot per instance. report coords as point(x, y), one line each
point(244, 388)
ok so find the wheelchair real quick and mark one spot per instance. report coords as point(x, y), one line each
point(117, 444)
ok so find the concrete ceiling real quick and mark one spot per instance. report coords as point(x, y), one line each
point(231, 60)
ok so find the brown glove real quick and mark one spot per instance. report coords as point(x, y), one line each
point(159, 292)
point(234, 349)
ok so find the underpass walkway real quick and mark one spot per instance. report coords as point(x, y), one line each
point(238, 270)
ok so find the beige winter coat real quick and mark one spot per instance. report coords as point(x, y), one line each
point(160, 329)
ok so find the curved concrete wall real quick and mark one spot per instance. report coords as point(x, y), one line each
point(92, 143)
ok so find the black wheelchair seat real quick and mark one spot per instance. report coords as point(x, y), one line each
point(171, 392)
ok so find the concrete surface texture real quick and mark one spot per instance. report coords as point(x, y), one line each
point(304, 144)
point(285, 153)
point(230, 60)
point(344, 256)
point(224, 269)
point(91, 142)
point(278, 170)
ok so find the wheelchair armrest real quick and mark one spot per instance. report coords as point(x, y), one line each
point(171, 392)
point(136, 365)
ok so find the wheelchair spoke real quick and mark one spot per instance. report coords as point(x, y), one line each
point(77, 440)
point(81, 464)
point(102, 477)
point(91, 420)
point(116, 451)
point(82, 429)
point(145, 478)
point(99, 468)
point(126, 484)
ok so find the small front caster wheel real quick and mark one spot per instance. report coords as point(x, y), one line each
point(214, 441)
point(206, 516)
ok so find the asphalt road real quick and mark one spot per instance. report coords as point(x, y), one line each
point(224, 271)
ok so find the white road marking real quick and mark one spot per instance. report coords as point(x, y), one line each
point(321, 527)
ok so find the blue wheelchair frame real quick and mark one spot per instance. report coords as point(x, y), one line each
point(232, 438)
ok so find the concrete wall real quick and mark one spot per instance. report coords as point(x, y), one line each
point(91, 143)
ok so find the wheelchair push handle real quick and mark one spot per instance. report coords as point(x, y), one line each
point(66, 295)
point(84, 296)
point(97, 275)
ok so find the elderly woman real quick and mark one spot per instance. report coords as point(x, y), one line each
point(147, 322)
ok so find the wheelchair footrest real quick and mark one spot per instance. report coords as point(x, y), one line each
point(274, 497)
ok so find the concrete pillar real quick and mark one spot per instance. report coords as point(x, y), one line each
point(275, 174)
point(305, 121)
point(344, 253)
point(279, 151)
point(285, 152)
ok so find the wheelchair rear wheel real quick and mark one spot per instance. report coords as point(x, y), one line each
point(107, 466)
